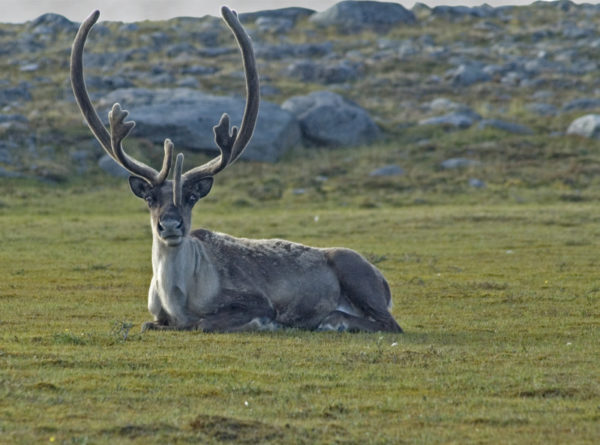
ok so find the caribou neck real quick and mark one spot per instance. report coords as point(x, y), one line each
point(180, 263)
point(163, 253)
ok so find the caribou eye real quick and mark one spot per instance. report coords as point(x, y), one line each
point(150, 200)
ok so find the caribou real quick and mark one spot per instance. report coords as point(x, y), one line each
point(213, 282)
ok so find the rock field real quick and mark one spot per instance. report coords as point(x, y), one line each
point(355, 74)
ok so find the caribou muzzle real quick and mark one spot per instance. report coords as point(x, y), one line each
point(171, 229)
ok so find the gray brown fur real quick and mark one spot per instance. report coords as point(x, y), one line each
point(214, 282)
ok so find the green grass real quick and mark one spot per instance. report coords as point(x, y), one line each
point(500, 303)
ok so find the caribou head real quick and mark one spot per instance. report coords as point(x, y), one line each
point(170, 201)
point(215, 282)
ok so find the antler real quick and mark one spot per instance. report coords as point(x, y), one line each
point(232, 143)
point(119, 129)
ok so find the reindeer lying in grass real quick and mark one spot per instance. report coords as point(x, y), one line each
point(217, 283)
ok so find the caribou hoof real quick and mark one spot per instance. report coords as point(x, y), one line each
point(151, 326)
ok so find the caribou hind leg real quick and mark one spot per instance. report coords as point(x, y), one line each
point(343, 322)
point(240, 312)
point(235, 319)
point(366, 288)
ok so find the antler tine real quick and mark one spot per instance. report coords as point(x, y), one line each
point(232, 144)
point(111, 142)
point(224, 141)
point(119, 129)
point(166, 166)
point(177, 185)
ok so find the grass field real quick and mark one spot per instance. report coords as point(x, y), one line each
point(500, 304)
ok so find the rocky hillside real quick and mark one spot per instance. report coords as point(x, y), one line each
point(360, 73)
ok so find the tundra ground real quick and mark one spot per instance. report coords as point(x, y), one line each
point(500, 303)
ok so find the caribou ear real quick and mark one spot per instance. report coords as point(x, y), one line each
point(140, 187)
point(195, 190)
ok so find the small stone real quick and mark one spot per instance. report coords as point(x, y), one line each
point(587, 126)
point(387, 170)
point(454, 163)
point(509, 127)
point(476, 183)
point(459, 119)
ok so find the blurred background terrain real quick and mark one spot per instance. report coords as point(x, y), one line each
point(493, 102)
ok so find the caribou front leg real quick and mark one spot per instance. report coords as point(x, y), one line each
point(155, 308)
point(154, 305)
point(173, 316)
point(161, 319)
point(237, 312)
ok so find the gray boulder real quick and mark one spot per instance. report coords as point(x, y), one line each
point(466, 75)
point(388, 170)
point(326, 73)
point(303, 70)
point(102, 60)
point(199, 70)
point(576, 32)
point(327, 119)
point(283, 51)
point(188, 82)
point(272, 25)
point(541, 109)
point(5, 157)
point(421, 9)
point(104, 83)
point(29, 67)
point(276, 21)
point(338, 72)
point(586, 103)
point(291, 13)
point(494, 70)
point(184, 51)
point(109, 166)
point(17, 94)
point(509, 127)
point(187, 117)
point(456, 163)
point(476, 183)
point(81, 160)
point(587, 126)
point(461, 119)
point(443, 104)
point(13, 122)
point(357, 15)
point(129, 27)
point(459, 12)
point(7, 148)
point(6, 118)
point(52, 23)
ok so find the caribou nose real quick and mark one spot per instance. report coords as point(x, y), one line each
point(170, 225)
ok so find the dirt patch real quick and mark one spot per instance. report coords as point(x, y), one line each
point(227, 429)
point(141, 430)
point(512, 421)
point(547, 393)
